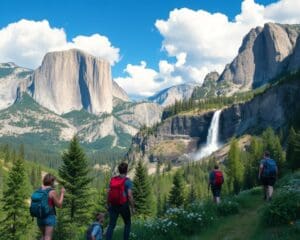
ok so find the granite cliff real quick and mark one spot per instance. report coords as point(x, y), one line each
point(264, 54)
point(73, 80)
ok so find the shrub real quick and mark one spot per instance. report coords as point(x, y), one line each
point(227, 207)
point(188, 222)
point(284, 209)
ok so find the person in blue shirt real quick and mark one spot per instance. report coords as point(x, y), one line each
point(120, 204)
point(96, 232)
point(268, 172)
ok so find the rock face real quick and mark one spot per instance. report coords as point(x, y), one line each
point(73, 80)
point(265, 53)
point(139, 114)
point(168, 96)
point(211, 77)
point(209, 87)
point(13, 81)
point(275, 108)
point(119, 93)
point(171, 139)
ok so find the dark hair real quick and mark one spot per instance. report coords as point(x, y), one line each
point(216, 166)
point(48, 180)
point(267, 154)
point(99, 215)
point(123, 167)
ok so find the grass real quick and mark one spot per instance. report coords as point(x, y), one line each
point(240, 226)
point(247, 225)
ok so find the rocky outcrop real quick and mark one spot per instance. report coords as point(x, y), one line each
point(186, 131)
point(139, 114)
point(73, 80)
point(209, 87)
point(189, 126)
point(265, 53)
point(14, 80)
point(168, 96)
point(211, 77)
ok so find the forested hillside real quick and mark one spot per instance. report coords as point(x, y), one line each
point(171, 202)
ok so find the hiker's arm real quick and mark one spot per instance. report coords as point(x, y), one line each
point(130, 198)
point(58, 201)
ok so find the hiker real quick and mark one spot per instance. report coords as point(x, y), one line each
point(215, 182)
point(95, 231)
point(119, 201)
point(267, 174)
point(43, 203)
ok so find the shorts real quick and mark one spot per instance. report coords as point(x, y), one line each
point(216, 191)
point(48, 221)
point(268, 181)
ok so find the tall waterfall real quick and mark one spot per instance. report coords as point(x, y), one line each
point(212, 143)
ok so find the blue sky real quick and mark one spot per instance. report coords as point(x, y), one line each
point(134, 35)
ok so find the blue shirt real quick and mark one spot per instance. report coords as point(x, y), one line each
point(97, 232)
point(128, 186)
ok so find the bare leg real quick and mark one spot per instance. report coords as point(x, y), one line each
point(270, 188)
point(48, 233)
point(218, 200)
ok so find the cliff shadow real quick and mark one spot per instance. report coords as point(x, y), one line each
point(84, 90)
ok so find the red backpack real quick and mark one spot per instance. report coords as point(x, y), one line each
point(116, 194)
point(218, 178)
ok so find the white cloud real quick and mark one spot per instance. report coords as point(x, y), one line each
point(142, 80)
point(284, 11)
point(26, 42)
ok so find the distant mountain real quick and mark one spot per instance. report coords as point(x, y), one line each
point(119, 93)
point(169, 95)
point(13, 81)
point(70, 93)
point(265, 53)
point(28, 122)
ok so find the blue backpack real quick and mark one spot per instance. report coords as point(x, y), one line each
point(269, 169)
point(39, 206)
point(88, 234)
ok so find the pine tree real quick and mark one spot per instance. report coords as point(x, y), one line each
point(15, 224)
point(176, 197)
point(293, 150)
point(141, 190)
point(102, 195)
point(6, 152)
point(159, 205)
point(252, 161)
point(235, 168)
point(74, 175)
point(272, 144)
point(192, 195)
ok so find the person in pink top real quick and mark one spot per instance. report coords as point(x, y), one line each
point(47, 224)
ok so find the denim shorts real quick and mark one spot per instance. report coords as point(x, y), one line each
point(48, 221)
